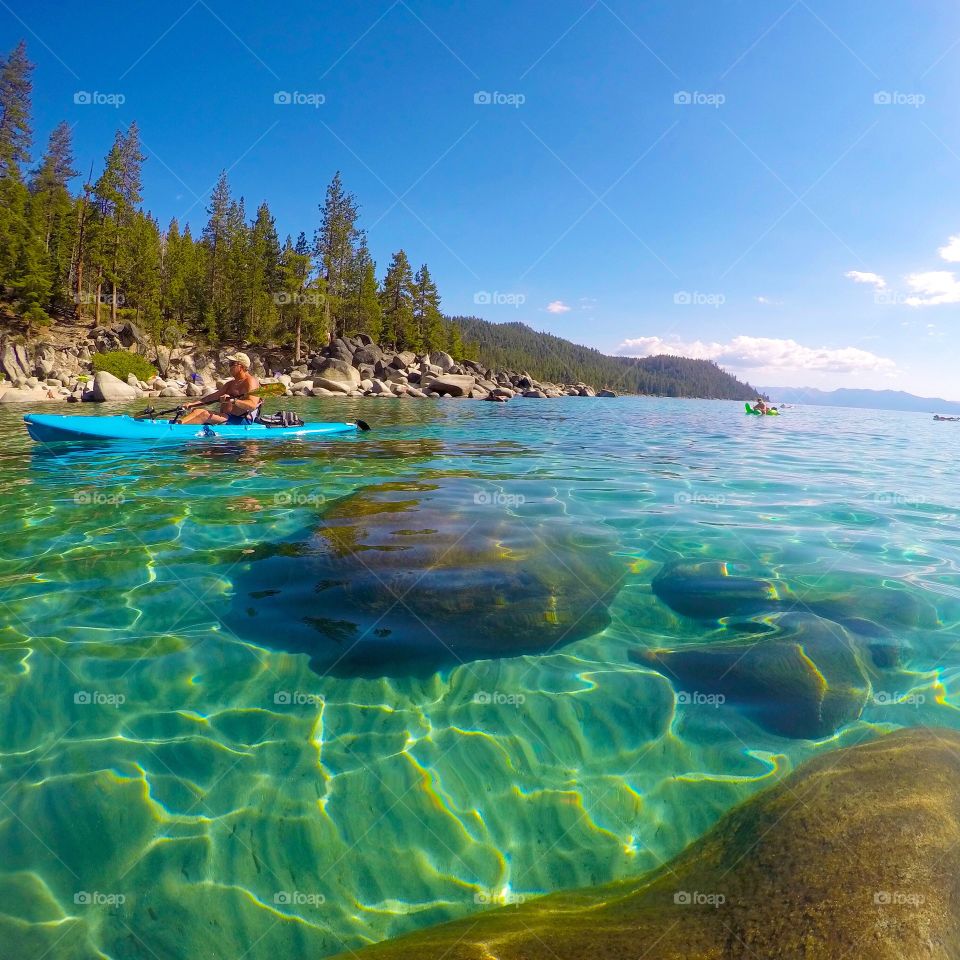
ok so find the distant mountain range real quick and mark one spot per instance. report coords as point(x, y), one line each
point(862, 399)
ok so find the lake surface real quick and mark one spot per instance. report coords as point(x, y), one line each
point(283, 699)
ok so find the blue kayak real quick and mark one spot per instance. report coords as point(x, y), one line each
point(55, 429)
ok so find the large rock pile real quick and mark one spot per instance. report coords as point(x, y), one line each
point(349, 366)
point(356, 366)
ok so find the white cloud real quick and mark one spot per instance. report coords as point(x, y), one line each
point(557, 306)
point(857, 276)
point(933, 288)
point(951, 252)
point(768, 302)
point(763, 352)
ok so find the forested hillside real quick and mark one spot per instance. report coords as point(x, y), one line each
point(516, 346)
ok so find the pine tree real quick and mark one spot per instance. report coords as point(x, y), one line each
point(362, 311)
point(52, 213)
point(454, 345)
point(216, 243)
point(130, 185)
point(173, 281)
point(103, 236)
point(117, 195)
point(396, 299)
point(15, 139)
point(335, 245)
point(237, 292)
point(428, 321)
point(142, 269)
point(263, 275)
point(300, 298)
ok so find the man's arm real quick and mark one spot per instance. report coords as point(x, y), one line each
point(209, 398)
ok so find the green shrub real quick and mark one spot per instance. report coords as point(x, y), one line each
point(121, 364)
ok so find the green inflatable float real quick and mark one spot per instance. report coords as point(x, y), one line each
point(757, 413)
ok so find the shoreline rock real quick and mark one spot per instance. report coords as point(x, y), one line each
point(348, 366)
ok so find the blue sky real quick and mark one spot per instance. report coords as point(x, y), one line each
point(773, 184)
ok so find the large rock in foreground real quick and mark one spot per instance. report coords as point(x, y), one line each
point(410, 577)
point(856, 855)
point(108, 387)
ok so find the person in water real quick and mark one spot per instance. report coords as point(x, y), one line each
point(236, 404)
point(760, 406)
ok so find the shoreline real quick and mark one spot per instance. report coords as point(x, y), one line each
point(348, 366)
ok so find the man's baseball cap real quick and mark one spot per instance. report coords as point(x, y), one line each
point(239, 358)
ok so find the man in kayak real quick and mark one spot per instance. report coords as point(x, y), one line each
point(236, 404)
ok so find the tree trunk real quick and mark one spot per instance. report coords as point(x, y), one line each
point(296, 355)
point(113, 281)
point(99, 294)
point(78, 290)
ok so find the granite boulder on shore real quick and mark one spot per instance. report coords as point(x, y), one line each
point(855, 854)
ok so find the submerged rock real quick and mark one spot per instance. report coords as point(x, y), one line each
point(853, 855)
point(804, 679)
point(410, 577)
point(709, 589)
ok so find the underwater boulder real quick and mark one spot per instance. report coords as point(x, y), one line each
point(804, 679)
point(410, 577)
point(710, 589)
point(855, 854)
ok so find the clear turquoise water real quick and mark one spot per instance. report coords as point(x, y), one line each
point(177, 781)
